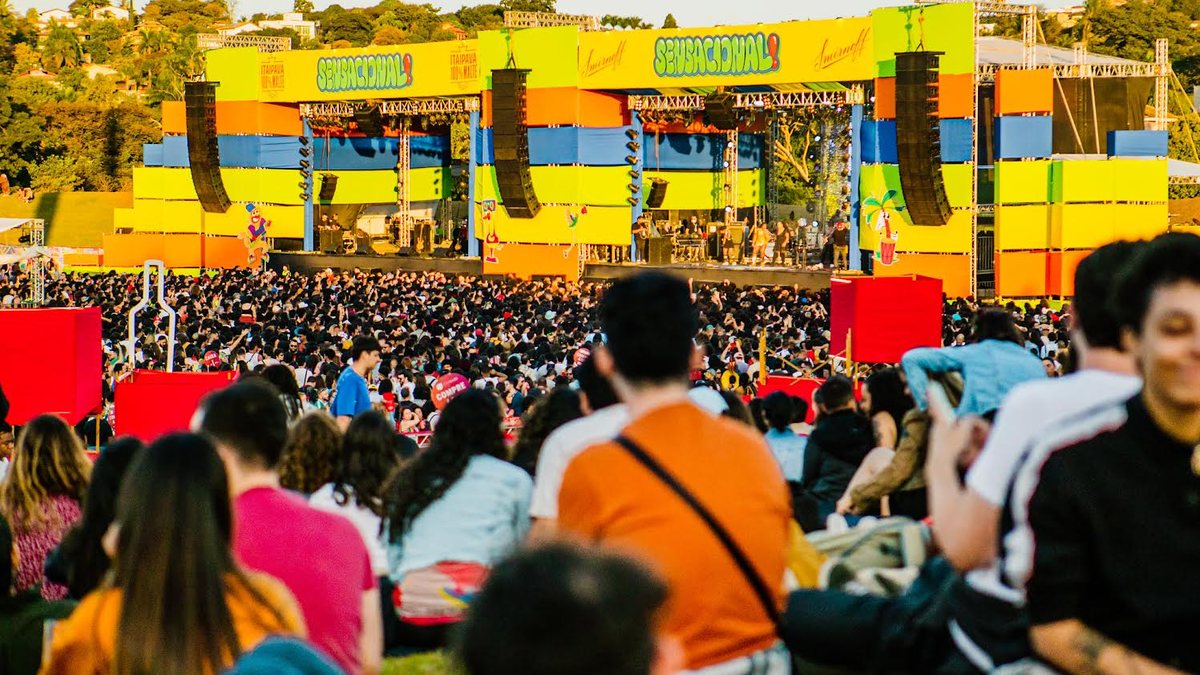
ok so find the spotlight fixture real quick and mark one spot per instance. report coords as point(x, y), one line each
point(632, 134)
point(633, 201)
point(305, 151)
point(633, 188)
point(303, 185)
point(304, 164)
point(633, 146)
point(635, 174)
point(304, 140)
point(630, 159)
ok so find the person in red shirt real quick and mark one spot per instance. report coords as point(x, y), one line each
point(319, 556)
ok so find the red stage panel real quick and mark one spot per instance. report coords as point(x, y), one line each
point(885, 316)
point(151, 403)
point(50, 362)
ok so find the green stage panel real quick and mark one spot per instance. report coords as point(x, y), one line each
point(948, 28)
point(552, 55)
point(876, 180)
point(1020, 182)
point(705, 190)
point(590, 185)
point(281, 186)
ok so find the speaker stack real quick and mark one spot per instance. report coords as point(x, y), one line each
point(657, 194)
point(511, 142)
point(204, 160)
point(720, 110)
point(918, 138)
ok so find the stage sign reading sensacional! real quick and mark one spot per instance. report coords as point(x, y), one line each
point(369, 72)
point(729, 55)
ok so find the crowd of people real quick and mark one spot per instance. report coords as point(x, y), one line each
point(647, 519)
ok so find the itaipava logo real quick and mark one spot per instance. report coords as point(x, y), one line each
point(729, 55)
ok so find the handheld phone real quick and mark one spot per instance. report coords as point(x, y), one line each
point(939, 402)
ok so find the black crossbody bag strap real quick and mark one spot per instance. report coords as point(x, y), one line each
point(765, 597)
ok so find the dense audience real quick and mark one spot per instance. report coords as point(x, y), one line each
point(642, 522)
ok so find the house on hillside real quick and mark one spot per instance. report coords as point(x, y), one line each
point(239, 28)
point(59, 16)
point(110, 12)
point(307, 30)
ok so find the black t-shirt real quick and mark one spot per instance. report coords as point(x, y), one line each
point(1114, 537)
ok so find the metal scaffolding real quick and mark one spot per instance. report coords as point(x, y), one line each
point(403, 176)
point(37, 264)
point(546, 19)
point(731, 176)
point(207, 41)
point(764, 101)
point(1162, 74)
point(409, 106)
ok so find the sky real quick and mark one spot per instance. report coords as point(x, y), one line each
point(687, 12)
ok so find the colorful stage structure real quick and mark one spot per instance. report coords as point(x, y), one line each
point(991, 164)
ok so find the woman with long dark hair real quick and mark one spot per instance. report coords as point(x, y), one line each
point(42, 495)
point(886, 400)
point(176, 604)
point(80, 562)
point(452, 513)
point(542, 418)
point(284, 380)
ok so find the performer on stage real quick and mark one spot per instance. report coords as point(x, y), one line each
point(783, 243)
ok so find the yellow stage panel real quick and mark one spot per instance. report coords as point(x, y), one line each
point(1020, 228)
point(593, 185)
point(552, 225)
point(1021, 182)
point(1139, 180)
point(705, 189)
point(156, 215)
point(551, 54)
point(230, 67)
point(1087, 226)
point(282, 186)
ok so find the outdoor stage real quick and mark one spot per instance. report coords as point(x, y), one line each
point(742, 275)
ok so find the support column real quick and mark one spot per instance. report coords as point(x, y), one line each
point(309, 220)
point(856, 121)
point(472, 166)
point(635, 123)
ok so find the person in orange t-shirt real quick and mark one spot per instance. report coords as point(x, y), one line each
point(608, 496)
point(177, 603)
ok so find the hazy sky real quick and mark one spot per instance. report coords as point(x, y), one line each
point(687, 12)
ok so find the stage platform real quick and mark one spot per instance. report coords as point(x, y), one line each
point(742, 275)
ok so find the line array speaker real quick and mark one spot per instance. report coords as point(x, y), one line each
point(328, 187)
point(369, 121)
point(918, 138)
point(200, 107)
point(658, 193)
point(718, 107)
point(511, 142)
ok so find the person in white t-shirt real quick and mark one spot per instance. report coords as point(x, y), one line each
point(967, 518)
point(604, 419)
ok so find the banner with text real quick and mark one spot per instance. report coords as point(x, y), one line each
point(796, 52)
point(402, 71)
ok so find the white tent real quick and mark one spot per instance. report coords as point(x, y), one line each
point(7, 224)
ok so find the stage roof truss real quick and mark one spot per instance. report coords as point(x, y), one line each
point(264, 43)
point(987, 71)
point(410, 107)
point(761, 101)
point(548, 19)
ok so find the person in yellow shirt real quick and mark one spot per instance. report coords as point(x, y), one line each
point(176, 602)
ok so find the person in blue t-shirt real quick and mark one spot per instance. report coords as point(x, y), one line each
point(351, 396)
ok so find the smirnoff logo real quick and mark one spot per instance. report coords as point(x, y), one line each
point(596, 64)
point(830, 56)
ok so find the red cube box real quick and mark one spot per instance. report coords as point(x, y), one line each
point(884, 316)
point(51, 362)
point(151, 403)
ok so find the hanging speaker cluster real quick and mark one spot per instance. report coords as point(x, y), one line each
point(720, 111)
point(510, 135)
point(918, 138)
point(204, 160)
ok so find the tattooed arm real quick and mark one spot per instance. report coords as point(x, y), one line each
point(1075, 648)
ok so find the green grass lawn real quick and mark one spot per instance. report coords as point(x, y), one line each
point(73, 219)
point(422, 664)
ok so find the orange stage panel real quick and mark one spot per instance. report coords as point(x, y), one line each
point(177, 251)
point(1024, 91)
point(953, 269)
point(1060, 277)
point(956, 96)
point(885, 98)
point(525, 260)
point(249, 118)
point(567, 106)
point(1021, 274)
